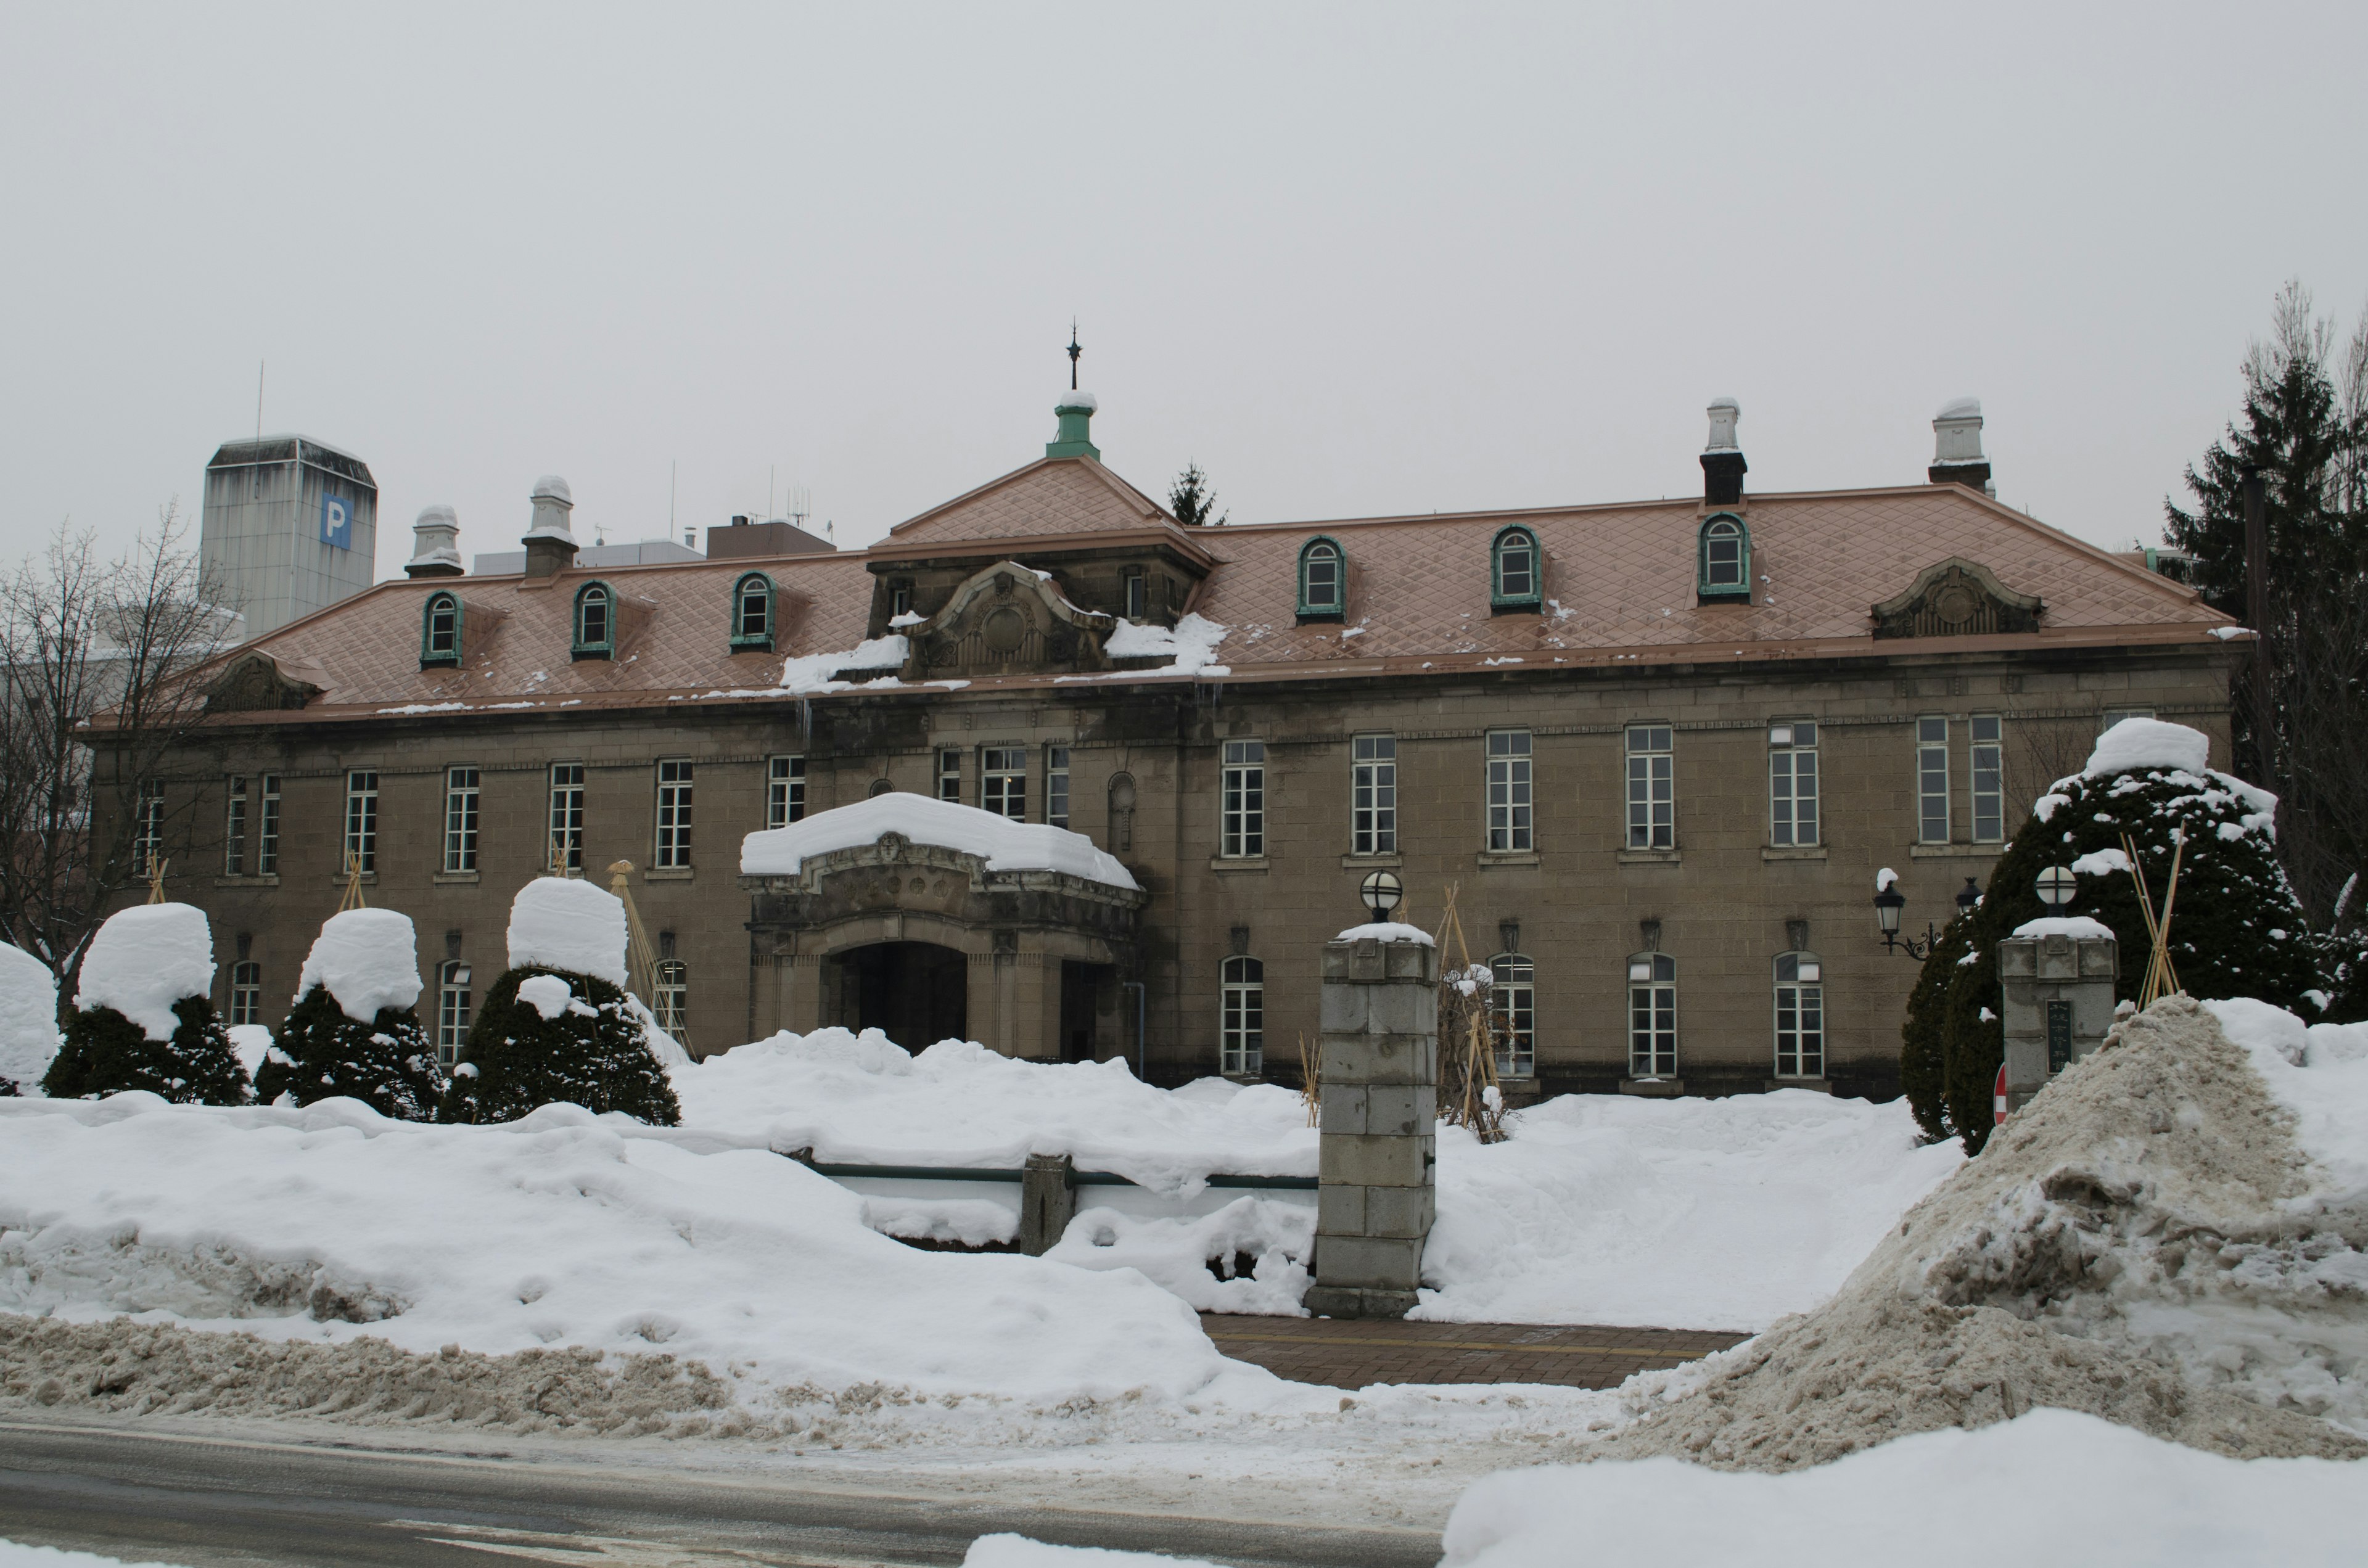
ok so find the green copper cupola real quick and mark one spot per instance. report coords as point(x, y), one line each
point(1075, 413)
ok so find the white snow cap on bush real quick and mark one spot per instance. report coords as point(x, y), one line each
point(1006, 845)
point(144, 960)
point(368, 959)
point(28, 1018)
point(2134, 745)
point(561, 923)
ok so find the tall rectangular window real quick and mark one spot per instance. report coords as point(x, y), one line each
point(460, 795)
point(1373, 795)
point(1003, 781)
point(1652, 788)
point(245, 992)
point(362, 823)
point(1932, 779)
point(566, 848)
point(234, 829)
point(1792, 784)
point(674, 813)
point(1800, 1016)
point(1056, 786)
point(148, 828)
point(1509, 790)
point(1652, 1015)
point(672, 986)
point(785, 791)
point(1513, 1000)
point(266, 835)
point(1138, 599)
point(1989, 777)
point(1241, 797)
point(451, 1011)
point(1241, 1030)
point(949, 776)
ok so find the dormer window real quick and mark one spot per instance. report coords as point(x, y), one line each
point(439, 632)
point(752, 614)
point(1513, 569)
point(1724, 570)
point(1322, 573)
point(596, 622)
point(1137, 594)
point(900, 596)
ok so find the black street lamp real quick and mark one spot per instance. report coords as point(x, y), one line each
point(1889, 903)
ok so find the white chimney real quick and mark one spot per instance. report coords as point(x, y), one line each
point(436, 550)
point(551, 542)
point(1957, 447)
point(1722, 459)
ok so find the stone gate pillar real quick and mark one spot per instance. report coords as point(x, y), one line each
point(1379, 1098)
point(2056, 986)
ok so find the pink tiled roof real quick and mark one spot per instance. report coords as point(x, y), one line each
point(1618, 585)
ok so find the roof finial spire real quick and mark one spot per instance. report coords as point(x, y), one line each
point(1073, 352)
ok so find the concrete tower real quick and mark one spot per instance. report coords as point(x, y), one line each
point(291, 526)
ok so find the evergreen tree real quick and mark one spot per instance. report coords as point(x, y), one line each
point(2348, 971)
point(387, 1064)
point(590, 1052)
point(1923, 1063)
point(1194, 502)
point(2237, 929)
point(107, 1053)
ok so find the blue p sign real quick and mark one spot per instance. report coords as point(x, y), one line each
point(337, 522)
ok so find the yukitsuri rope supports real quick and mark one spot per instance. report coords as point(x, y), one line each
point(1471, 1028)
point(2161, 979)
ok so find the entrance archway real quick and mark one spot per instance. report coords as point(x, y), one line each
point(915, 992)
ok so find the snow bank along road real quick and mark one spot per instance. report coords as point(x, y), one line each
point(204, 1502)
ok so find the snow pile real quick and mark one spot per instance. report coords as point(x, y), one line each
point(1005, 845)
point(369, 958)
point(28, 1018)
point(2140, 746)
point(860, 1099)
point(1385, 931)
point(1190, 649)
point(814, 674)
point(2146, 1242)
point(250, 1043)
point(1019, 1551)
point(1684, 1213)
point(13, 1555)
point(2049, 1487)
point(561, 923)
point(2079, 927)
point(2320, 1072)
point(144, 960)
point(1261, 1243)
point(326, 1224)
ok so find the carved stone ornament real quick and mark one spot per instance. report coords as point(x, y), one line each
point(251, 683)
point(1008, 620)
point(1957, 598)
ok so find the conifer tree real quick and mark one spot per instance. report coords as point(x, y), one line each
point(1194, 504)
point(387, 1064)
point(546, 1036)
point(107, 1053)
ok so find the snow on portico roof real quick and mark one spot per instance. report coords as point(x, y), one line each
point(1005, 845)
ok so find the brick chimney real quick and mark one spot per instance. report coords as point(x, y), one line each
point(436, 550)
point(1957, 447)
point(550, 544)
point(1722, 459)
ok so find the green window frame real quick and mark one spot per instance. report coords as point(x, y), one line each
point(1515, 570)
point(595, 623)
point(1323, 580)
point(752, 613)
point(1723, 561)
point(440, 631)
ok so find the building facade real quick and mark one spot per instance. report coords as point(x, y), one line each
point(1656, 753)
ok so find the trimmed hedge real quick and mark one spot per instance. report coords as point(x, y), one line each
point(387, 1064)
point(107, 1053)
point(593, 1054)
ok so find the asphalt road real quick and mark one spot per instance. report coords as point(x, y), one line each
point(207, 1503)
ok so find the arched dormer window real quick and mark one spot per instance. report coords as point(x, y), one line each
point(1724, 567)
point(1323, 580)
point(1515, 570)
point(440, 631)
point(752, 614)
point(596, 622)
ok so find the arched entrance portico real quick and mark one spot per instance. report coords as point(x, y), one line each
point(915, 992)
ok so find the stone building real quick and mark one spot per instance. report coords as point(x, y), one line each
point(1660, 751)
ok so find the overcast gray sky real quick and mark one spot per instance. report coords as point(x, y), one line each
point(1355, 260)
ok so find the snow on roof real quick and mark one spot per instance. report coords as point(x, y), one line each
point(1961, 408)
point(550, 484)
point(368, 959)
point(812, 672)
point(1083, 400)
point(28, 1018)
point(1191, 649)
point(1005, 845)
point(562, 923)
point(2079, 927)
point(2134, 745)
point(144, 960)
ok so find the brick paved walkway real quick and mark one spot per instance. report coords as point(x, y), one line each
point(1351, 1354)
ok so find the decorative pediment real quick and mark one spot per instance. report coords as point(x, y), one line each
point(255, 683)
point(1007, 619)
point(1957, 598)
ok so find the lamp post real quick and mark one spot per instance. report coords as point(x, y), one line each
point(2055, 886)
point(1382, 892)
point(1889, 902)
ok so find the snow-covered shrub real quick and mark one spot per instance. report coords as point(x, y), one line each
point(28, 1020)
point(143, 1017)
point(354, 1030)
point(2239, 930)
point(1923, 1063)
point(559, 1025)
point(2347, 964)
